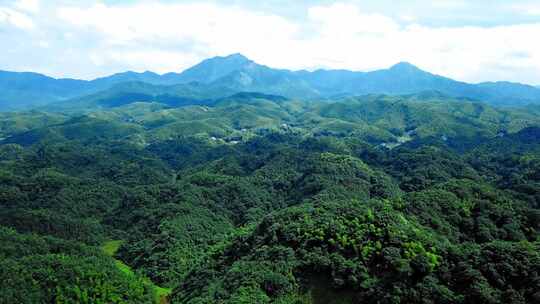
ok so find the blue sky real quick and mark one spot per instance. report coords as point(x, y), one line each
point(472, 41)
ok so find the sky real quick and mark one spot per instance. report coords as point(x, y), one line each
point(473, 41)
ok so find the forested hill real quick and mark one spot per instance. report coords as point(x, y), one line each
point(257, 198)
point(235, 73)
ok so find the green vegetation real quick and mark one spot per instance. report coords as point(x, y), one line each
point(111, 247)
point(259, 199)
point(43, 269)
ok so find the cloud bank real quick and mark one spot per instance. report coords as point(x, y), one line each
point(87, 40)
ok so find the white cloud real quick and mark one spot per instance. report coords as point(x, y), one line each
point(449, 4)
point(43, 44)
point(526, 9)
point(466, 53)
point(408, 18)
point(338, 19)
point(15, 18)
point(206, 23)
point(31, 6)
point(159, 60)
point(473, 53)
point(97, 39)
point(191, 31)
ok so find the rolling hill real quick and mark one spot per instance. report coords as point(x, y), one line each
point(257, 198)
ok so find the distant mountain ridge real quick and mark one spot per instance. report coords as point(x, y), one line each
point(236, 73)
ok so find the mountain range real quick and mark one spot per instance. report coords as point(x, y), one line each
point(233, 183)
point(235, 73)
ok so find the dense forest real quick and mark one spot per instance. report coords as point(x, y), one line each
point(256, 198)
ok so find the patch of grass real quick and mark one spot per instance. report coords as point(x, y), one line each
point(124, 268)
point(111, 247)
point(162, 294)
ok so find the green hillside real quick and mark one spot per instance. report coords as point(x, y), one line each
point(257, 198)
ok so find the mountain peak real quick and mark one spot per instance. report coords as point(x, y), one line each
point(404, 66)
point(237, 56)
point(216, 67)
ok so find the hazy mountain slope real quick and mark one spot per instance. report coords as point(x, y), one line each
point(131, 92)
point(508, 93)
point(214, 68)
point(405, 78)
point(257, 78)
point(236, 73)
point(21, 90)
point(148, 77)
